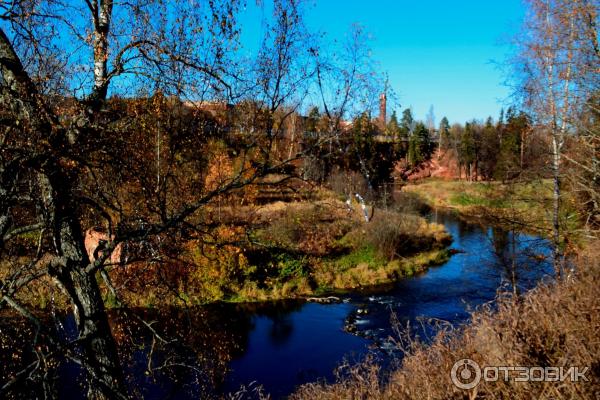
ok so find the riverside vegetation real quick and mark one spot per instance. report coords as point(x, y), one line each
point(209, 173)
point(284, 250)
point(556, 324)
point(517, 205)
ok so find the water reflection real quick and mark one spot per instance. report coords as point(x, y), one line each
point(203, 352)
point(487, 260)
point(172, 352)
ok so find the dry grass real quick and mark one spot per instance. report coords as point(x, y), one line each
point(396, 235)
point(310, 228)
point(297, 249)
point(553, 325)
point(390, 247)
point(526, 206)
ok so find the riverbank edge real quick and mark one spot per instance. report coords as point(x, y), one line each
point(354, 272)
point(554, 324)
point(530, 330)
point(497, 204)
point(395, 271)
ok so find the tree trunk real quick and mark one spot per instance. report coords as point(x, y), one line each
point(521, 163)
point(556, 253)
point(293, 138)
point(470, 172)
point(558, 131)
point(101, 18)
point(97, 345)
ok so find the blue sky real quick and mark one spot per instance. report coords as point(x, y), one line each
point(443, 53)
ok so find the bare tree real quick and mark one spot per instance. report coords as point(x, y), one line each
point(348, 87)
point(554, 59)
point(282, 73)
point(53, 138)
point(110, 115)
point(348, 80)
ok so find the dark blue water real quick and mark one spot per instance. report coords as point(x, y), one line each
point(315, 341)
point(219, 348)
point(302, 346)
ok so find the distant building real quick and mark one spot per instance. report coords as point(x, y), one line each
point(382, 111)
point(220, 110)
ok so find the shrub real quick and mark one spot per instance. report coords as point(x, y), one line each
point(312, 229)
point(406, 202)
point(346, 183)
point(290, 266)
point(395, 235)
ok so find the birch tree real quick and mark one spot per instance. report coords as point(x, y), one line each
point(554, 48)
point(101, 122)
point(58, 63)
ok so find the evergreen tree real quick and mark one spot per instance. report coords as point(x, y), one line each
point(444, 134)
point(407, 121)
point(509, 164)
point(362, 147)
point(413, 155)
point(420, 145)
point(425, 144)
point(489, 149)
point(375, 161)
point(467, 149)
point(312, 120)
point(394, 132)
point(406, 127)
point(393, 128)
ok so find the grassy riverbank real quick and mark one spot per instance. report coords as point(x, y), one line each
point(553, 325)
point(280, 250)
point(303, 249)
point(518, 205)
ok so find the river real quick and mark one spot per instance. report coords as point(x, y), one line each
point(280, 345)
point(307, 343)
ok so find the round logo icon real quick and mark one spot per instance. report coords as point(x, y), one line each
point(465, 374)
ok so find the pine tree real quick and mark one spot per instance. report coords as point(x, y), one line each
point(424, 139)
point(467, 149)
point(444, 134)
point(489, 149)
point(420, 145)
point(406, 127)
point(510, 144)
point(394, 132)
point(393, 128)
point(413, 154)
point(407, 121)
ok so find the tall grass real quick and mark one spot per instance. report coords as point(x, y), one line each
point(553, 325)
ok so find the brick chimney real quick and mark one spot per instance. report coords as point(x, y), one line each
point(382, 109)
